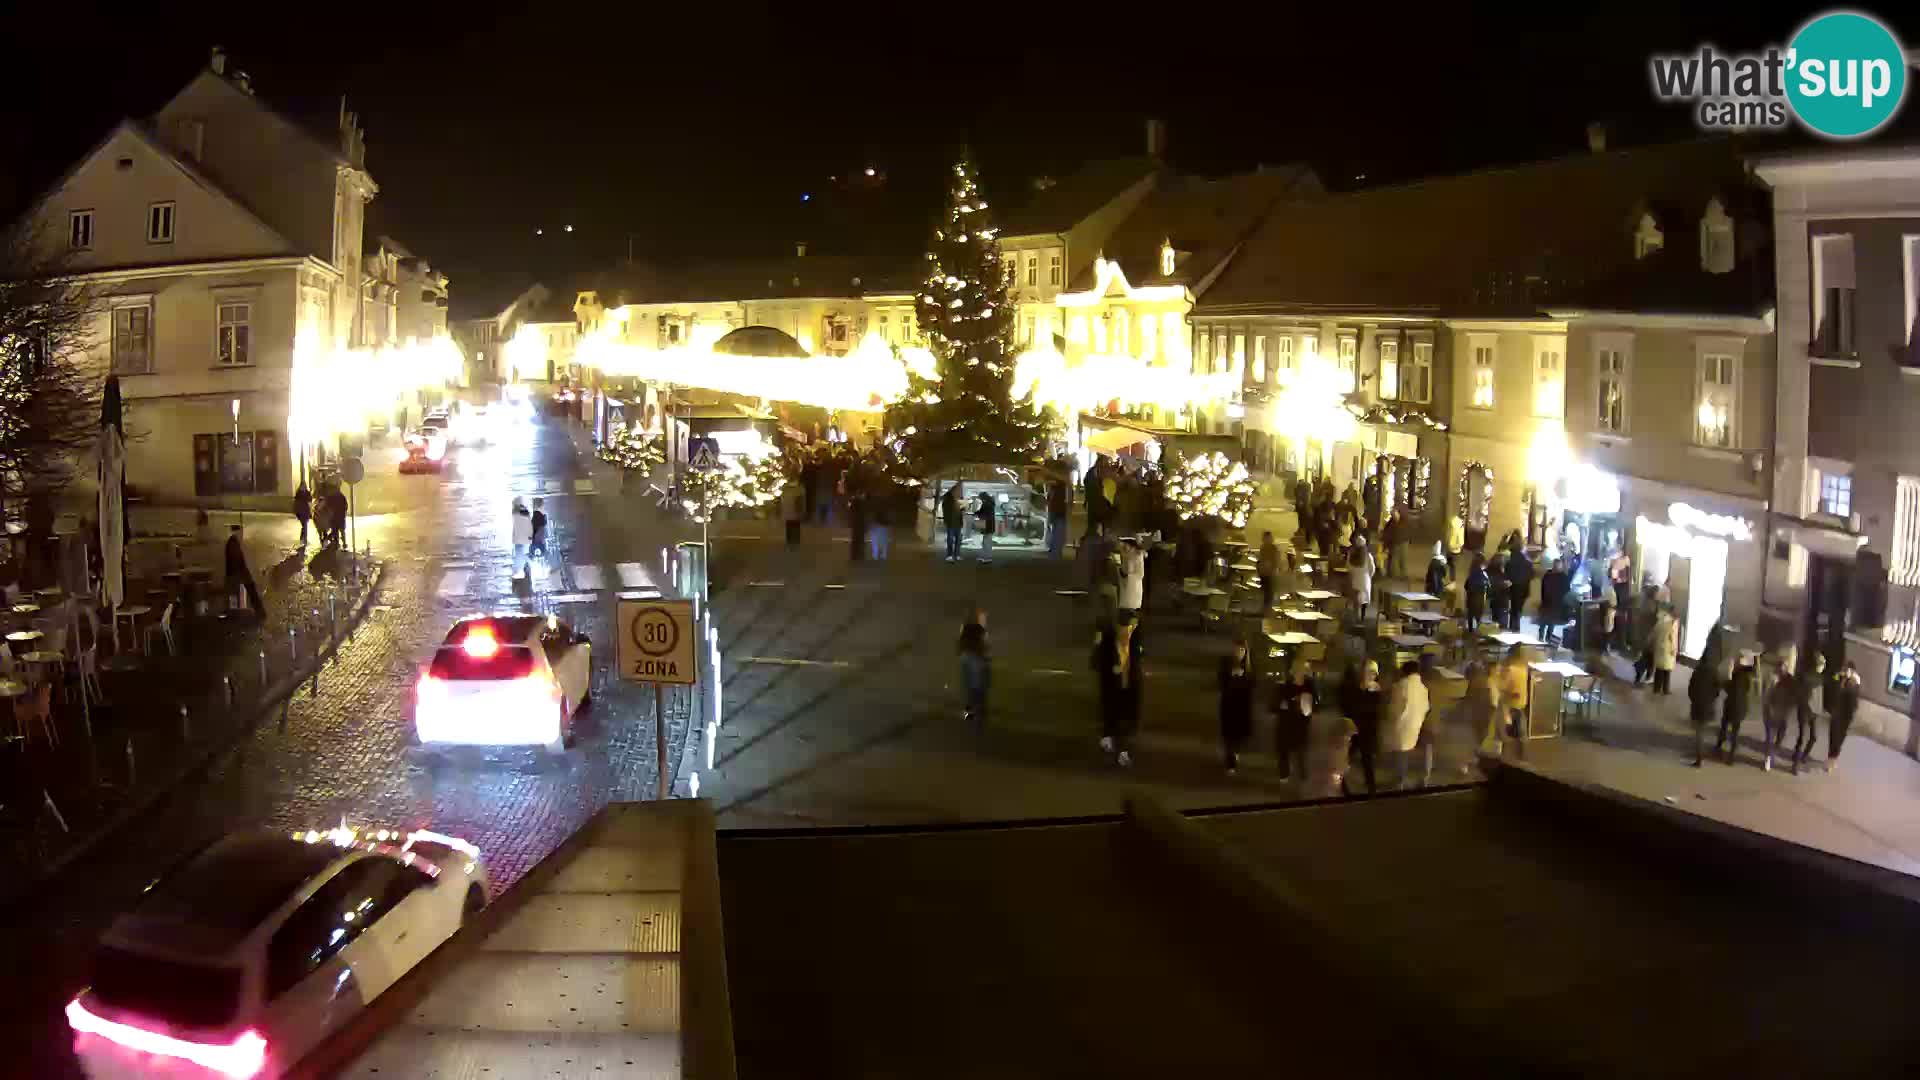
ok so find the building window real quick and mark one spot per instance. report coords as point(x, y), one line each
point(235, 463)
point(1203, 354)
point(133, 340)
point(1053, 268)
point(234, 346)
point(1716, 239)
point(1077, 331)
point(1220, 352)
point(80, 230)
point(1012, 263)
point(1482, 375)
point(1389, 369)
point(1905, 566)
point(1239, 353)
point(1416, 383)
point(1610, 366)
point(1033, 270)
point(1549, 380)
point(1900, 672)
point(1833, 287)
point(1175, 337)
point(1260, 359)
point(1714, 412)
point(1166, 260)
point(1647, 237)
point(1349, 361)
point(1283, 354)
point(1310, 345)
point(1149, 337)
point(160, 223)
point(1910, 258)
point(1836, 494)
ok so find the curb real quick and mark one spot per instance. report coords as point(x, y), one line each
point(275, 693)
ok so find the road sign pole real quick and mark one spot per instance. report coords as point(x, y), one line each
point(660, 739)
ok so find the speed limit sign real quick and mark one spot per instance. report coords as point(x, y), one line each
point(656, 642)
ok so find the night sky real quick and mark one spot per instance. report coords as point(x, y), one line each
point(698, 132)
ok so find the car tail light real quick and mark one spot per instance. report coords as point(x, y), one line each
point(427, 685)
point(244, 1057)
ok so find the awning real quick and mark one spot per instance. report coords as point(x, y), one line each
point(1114, 439)
point(1828, 542)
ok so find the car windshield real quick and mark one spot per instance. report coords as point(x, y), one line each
point(174, 992)
point(457, 664)
point(434, 422)
point(233, 885)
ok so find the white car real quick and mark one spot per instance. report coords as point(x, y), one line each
point(247, 956)
point(504, 680)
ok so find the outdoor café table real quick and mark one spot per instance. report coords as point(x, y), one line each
point(26, 609)
point(1412, 641)
point(11, 691)
point(1308, 617)
point(1286, 642)
point(38, 657)
point(1316, 596)
point(1509, 639)
point(131, 613)
point(1546, 686)
point(1414, 600)
point(1427, 619)
point(23, 637)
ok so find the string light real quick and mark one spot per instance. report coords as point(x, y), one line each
point(1210, 485)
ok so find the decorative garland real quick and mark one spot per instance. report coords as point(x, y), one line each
point(1419, 482)
point(1387, 414)
point(1486, 501)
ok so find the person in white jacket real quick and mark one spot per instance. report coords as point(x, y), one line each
point(1406, 714)
point(522, 538)
point(1133, 575)
point(1360, 577)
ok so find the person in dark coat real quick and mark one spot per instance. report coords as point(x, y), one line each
point(303, 509)
point(976, 669)
point(1362, 700)
point(1780, 704)
point(1118, 664)
point(1733, 711)
point(238, 576)
point(983, 514)
point(1438, 571)
point(1703, 689)
point(953, 517)
point(1519, 584)
point(1809, 702)
point(1293, 704)
point(337, 514)
point(1499, 594)
point(1236, 701)
point(1059, 501)
point(1478, 585)
point(1554, 586)
point(1843, 703)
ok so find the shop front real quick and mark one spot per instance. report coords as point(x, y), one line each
point(1586, 524)
point(1708, 562)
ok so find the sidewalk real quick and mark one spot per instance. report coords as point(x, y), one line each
point(141, 747)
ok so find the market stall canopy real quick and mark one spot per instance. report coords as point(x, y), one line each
point(1114, 439)
point(759, 341)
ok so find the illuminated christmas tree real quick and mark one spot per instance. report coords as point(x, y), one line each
point(1210, 486)
point(706, 492)
point(967, 411)
point(630, 448)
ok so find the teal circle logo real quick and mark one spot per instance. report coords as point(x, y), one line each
point(1846, 74)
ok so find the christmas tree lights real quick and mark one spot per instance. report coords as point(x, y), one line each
point(1209, 485)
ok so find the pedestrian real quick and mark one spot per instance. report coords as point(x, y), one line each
point(522, 539)
point(1293, 703)
point(1361, 699)
point(1620, 574)
point(809, 486)
point(1842, 704)
point(880, 521)
point(1059, 501)
point(239, 578)
point(1360, 570)
point(983, 514)
point(1510, 685)
point(1778, 703)
point(303, 510)
point(1519, 584)
point(976, 670)
point(857, 520)
point(337, 514)
point(1703, 689)
point(1554, 586)
point(1439, 572)
point(1400, 731)
point(1118, 664)
point(1666, 649)
point(1809, 701)
point(322, 512)
point(1480, 711)
point(952, 517)
point(1479, 583)
point(1133, 577)
point(1267, 565)
point(1733, 711)
point(1392, 535)
point(1236, 701)
point(537, 548)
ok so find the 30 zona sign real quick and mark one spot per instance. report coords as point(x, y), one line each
point(656, 642)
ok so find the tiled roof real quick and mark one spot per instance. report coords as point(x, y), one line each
point(1074, 196)
point(719, 280)
point(1205, 220)
point(1512, 241)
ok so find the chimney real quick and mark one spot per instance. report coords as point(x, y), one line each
point(1597, 137)
point(219, 61)
point(800, 249)
point(242, 80)
point(1156, 138)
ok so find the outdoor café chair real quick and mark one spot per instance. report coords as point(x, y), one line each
point(165, 629)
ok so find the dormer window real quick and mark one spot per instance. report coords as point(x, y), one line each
point(1647, 237)
point(1166, 258)
point(1716, 239)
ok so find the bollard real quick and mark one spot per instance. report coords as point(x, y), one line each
point(55, 811)
point(186, 725)
point(263, 671)
point(130, 772)
point(314, 689)
point(286, 708)
point(226, 683)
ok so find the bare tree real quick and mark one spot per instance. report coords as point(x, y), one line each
point(49, 389)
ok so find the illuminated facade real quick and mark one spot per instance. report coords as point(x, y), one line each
point(224, 240)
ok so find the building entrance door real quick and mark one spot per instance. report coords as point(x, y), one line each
point(1829, 585)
